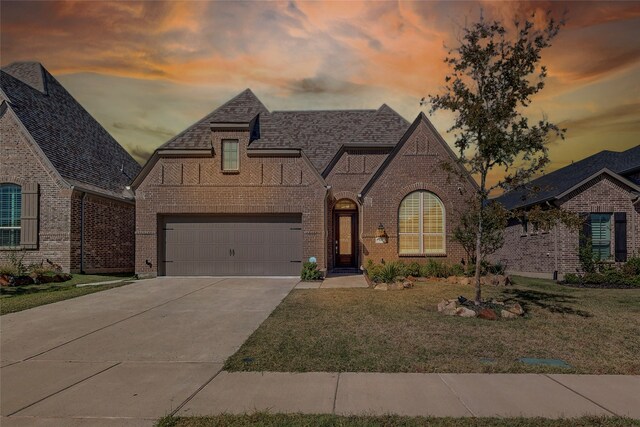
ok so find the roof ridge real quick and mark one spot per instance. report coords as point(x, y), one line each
point(324, 111)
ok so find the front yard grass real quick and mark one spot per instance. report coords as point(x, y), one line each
point(299, 420)
point(20, 298)
point(364, 330)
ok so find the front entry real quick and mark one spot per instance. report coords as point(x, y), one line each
point(346, 234)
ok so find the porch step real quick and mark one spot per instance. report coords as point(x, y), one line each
point(345, 271)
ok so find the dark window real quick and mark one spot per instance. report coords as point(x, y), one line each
point(10, 212)
point(601, 235)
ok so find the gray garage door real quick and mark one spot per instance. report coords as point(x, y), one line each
point(232, 245)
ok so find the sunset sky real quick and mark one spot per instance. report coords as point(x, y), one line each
point(147, 70)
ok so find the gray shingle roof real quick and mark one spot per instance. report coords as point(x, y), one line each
point(243, 108)
point(319, 134)
point(78, 147)
point(549, 186)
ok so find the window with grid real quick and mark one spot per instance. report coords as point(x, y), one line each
point(421, 224)
point(10, 210)
point(601, 235)
point(230, 155)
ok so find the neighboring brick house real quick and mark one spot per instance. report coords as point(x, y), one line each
point(246, 191)
point(63, 179)
point(604, 189)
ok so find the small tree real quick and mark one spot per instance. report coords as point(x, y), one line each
point(493, 75)
point(494, 220)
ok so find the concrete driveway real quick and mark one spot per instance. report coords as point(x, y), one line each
point(128, 355)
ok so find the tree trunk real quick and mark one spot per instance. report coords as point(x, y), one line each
point(478, 298)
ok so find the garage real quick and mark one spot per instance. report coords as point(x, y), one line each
point(262, 245)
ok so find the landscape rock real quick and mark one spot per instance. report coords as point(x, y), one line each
point(5, 280)
point(487, 314)
point(516, 309)
point(395, 286)
point(381, 287)
point(407, 284)
point(448, 307)
point(508, 315)
point(465, 312)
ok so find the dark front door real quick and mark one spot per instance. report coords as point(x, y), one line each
point(345, 239)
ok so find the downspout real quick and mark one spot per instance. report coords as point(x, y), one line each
point(555, 247)
point(634, 232)
point(84, 195)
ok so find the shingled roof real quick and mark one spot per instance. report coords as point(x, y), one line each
point(318, 133)
point(553, 184)
point(77, 146)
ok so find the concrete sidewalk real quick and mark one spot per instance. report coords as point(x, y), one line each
point(438, 395)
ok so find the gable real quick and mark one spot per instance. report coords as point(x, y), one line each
point(22, 160)
point(75, 144)
point(421, 146)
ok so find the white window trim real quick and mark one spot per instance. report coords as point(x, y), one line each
point(421, 232)
point(237, 144)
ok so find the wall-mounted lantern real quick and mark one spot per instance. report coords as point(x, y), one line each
point(381, 235)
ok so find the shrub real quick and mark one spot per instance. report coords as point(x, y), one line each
point(457, 270)
point(632, 267)
point(572, 278)
point(14, 265)
point(8, 269)
point(310, 272)
point(401, 267)
point(390, 272)
point(373, 269)
point(430, 269)
point(412, 269)
point(493, 268)
point(41, 270)
point(585, 255)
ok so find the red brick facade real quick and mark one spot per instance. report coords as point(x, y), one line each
point(540, 254)
point(183, 182)
point(197, 185)
point(416, 166)
point(109, 224)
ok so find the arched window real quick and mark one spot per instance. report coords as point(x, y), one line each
point(421, 224)
point(10, 209)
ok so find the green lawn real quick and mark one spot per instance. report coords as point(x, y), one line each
point(364, 330)
point(282, 420)
point(13, 299)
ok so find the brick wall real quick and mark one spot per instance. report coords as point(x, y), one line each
point(197, 185)
point(19, 164)
point(109, 234)
point(542, 254)
point(417, 166)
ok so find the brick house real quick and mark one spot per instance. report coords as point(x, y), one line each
point(604, 189)
point(63, 178)
point(248, 191)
